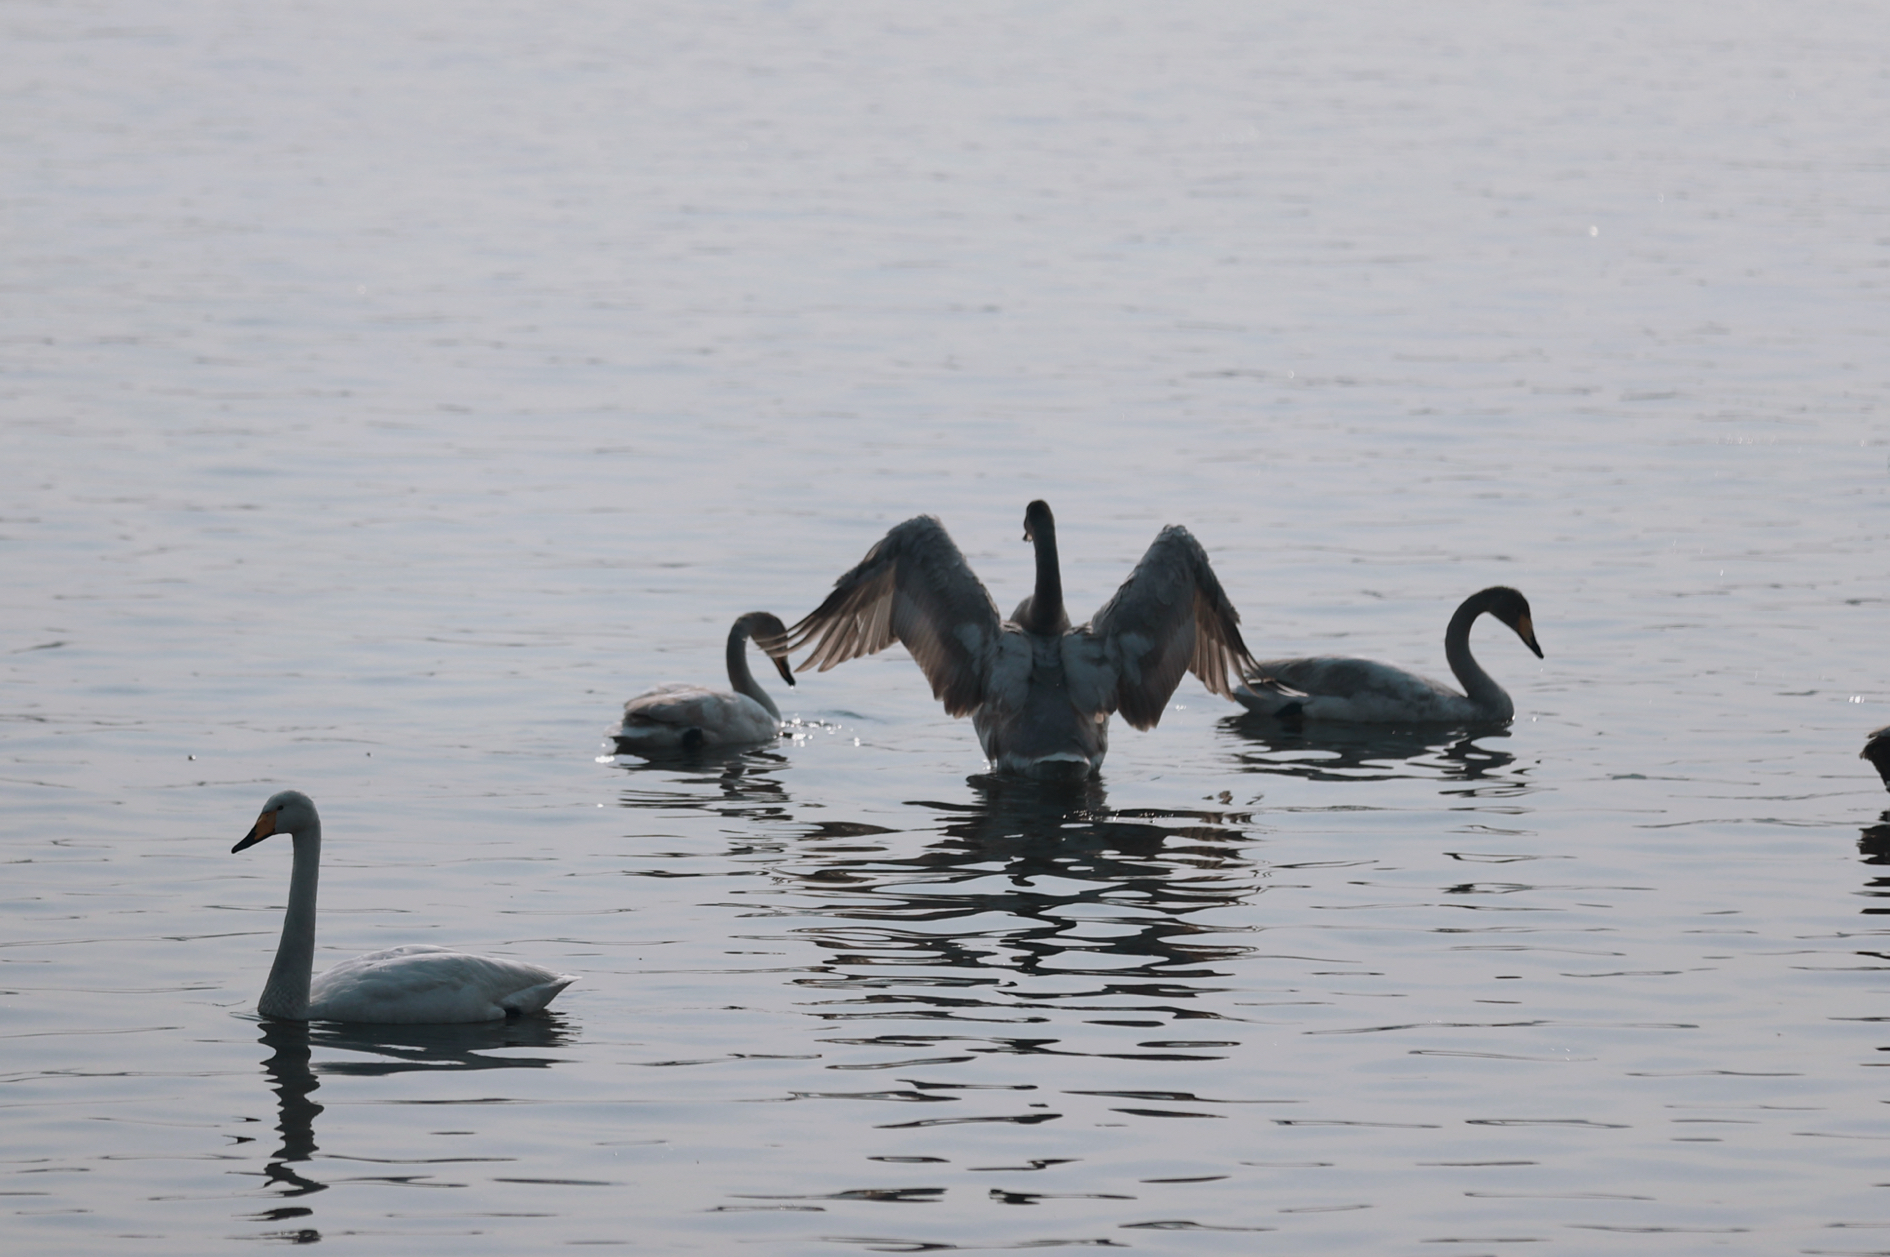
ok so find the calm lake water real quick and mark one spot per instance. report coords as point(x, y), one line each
point(390, 391)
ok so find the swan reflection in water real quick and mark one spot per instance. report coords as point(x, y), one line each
point(1023, 879)
point(1028, 880)
point(1873, 843)
point(1335, 752)
point(738, 783)
point(295, 1077)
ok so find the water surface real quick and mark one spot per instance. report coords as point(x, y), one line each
point(388, 395)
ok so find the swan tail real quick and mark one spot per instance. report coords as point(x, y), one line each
point(534, 998)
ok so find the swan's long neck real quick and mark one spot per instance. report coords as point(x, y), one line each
point(739, 677)
point(1477, 684)
point(286, 992)
point(1046, 601)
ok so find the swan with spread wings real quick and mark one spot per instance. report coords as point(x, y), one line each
point(1039, 692)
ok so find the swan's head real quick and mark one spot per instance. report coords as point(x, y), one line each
point(1877, 751)
point(287, 812)
point(765, 630)
point(1512, 608)
point(1038, 520)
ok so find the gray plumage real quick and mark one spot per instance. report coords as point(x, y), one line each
point(1877, 751)
point(687, 717)
point(1039, 692)
point(1363, 691)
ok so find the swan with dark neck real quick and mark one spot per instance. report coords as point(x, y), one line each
point(414, 984)
point(1039, 692)
point(1043, 613)
point(676, 716)
point(1362, 691)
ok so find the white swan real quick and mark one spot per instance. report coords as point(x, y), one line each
point(413, 984)
point(1038, 692)
point(676, 716)
point(1877, 751)
point(1361, 691)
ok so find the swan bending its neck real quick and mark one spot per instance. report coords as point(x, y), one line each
point(1364, 691)
point(688, 717)
point(1491, 699)
point(763, 627)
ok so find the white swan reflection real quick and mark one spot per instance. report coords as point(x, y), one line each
point(295, 1077)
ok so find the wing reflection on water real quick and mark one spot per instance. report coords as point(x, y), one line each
point(1372, 753)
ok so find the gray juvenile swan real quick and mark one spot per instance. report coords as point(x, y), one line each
point(1877, 751)
point(415, 984)
point(672, 717)
point(1361, 691)
point(1039, 693)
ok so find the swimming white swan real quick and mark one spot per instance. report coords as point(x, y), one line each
point(413, 984)
point(688, 716)
point(1038, 692)
point(1326, 687)
point(1877, 751)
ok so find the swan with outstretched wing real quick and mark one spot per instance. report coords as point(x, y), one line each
point(1039, 692)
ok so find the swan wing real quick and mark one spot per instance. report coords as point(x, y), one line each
point(913, 587)
point(421, 984)
point(1171, 616)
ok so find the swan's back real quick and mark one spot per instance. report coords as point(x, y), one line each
point(1360, 691)
point(694, 715)
point(420, 984)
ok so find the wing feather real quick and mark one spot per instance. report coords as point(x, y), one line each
point(1170, 617)
point(913, 587)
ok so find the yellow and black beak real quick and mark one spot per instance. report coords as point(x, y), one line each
point(1526, 629)
point(265, 825)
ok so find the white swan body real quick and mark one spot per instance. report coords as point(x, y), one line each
point(1039, 693)
point(414, 984)
point(688, 716)
point(1361, 691)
